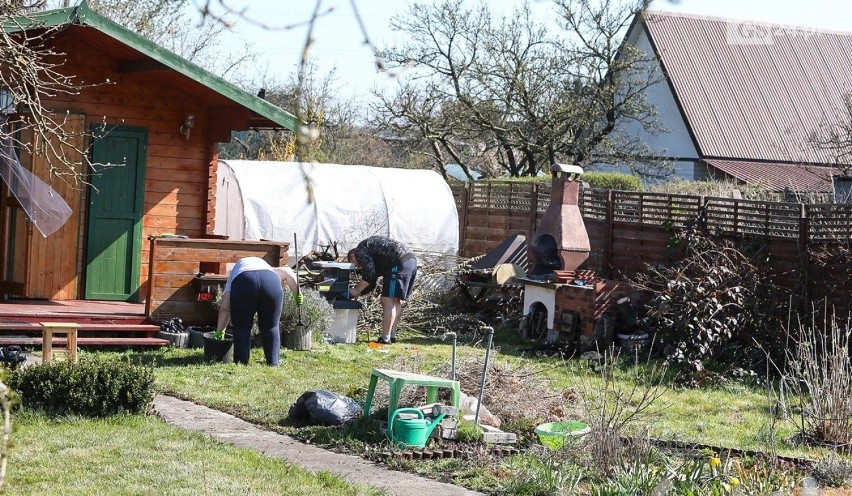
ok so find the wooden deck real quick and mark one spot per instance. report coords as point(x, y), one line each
point(102, 323)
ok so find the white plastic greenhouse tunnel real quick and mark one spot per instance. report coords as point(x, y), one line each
point(325, 203)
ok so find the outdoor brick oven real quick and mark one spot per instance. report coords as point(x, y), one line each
point(561, 302)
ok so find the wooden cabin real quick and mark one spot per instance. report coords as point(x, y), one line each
point(164, 118)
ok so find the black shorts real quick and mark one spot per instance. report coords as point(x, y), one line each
point(399, 280)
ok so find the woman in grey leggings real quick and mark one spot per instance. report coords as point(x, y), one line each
point(255, 288)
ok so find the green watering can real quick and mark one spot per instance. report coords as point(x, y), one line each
point(411, 432)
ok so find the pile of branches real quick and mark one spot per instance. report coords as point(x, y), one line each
point(512, 391)
point(436, 304)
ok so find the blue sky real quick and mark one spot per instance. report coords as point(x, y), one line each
point(339, 43)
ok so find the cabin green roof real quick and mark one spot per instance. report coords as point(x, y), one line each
point(83, 15)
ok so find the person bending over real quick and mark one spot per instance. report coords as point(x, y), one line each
point(396, 264)
point(255, 288)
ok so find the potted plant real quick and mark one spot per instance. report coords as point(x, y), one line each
point(174, 331)
point(317, 315)
point(218, 346)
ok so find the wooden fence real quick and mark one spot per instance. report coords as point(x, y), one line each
point(628, 230)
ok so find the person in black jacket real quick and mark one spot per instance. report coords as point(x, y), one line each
point(393, 261)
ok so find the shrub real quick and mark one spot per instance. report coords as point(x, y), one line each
point(833, 472)
point(613, 180)
point(317, 313)
point(714, 305)
point(819, 371)
point(90, 388)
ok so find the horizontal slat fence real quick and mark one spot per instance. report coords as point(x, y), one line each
point(630, 229)
point(765, 219)
point(828, 223)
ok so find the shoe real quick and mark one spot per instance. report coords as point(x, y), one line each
point(393, 339)
point(384, 340)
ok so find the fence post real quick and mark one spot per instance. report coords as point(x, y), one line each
point(804, 251)
point(533, 212)
point(608, 229)
point(465, 196)
point(702, 213)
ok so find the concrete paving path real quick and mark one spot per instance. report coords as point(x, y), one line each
point(238, 432)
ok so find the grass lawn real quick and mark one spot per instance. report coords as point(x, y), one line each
point(733, 415)
point(141, 455)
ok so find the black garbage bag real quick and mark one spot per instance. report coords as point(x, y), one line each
point(324, 408)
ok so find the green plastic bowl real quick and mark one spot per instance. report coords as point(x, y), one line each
point(553, 434)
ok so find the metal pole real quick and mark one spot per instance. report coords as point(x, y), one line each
point(489, 331)
point(444, 337)
point(298, 288)
point(454, 354)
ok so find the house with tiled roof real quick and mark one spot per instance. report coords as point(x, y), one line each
point(742, 100)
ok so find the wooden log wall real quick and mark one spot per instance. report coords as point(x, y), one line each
point(628, 230)
point(174, 264)
point(176, 167)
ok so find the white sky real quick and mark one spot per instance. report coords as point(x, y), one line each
point(339, 43)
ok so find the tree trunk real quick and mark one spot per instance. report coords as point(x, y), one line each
point(298, 338)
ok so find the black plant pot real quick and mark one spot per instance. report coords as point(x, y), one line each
point(196, 336)
point(218, 350)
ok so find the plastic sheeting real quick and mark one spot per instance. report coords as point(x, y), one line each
point(325, 203)
point(43, 206)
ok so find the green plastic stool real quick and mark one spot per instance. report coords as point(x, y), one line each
point(398, 380)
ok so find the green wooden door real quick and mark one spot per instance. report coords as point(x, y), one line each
point(114, 219)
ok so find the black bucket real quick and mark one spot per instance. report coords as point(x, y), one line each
point(218, 350)
point(196, 336)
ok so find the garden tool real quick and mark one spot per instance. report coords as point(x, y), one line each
point(298, 286)
point(489, 332)
point(414, 432)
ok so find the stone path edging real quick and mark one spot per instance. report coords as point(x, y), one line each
point(194, 417)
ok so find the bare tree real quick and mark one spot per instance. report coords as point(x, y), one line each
point(31, 74)
point(836, 138)
point(524, 95)
point(169, 23)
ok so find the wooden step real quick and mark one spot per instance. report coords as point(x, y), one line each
point(31, 326)
point(75, 317)
point(82, 341)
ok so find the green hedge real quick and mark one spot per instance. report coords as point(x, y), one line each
point(613, 180)
point(90, 388)
point(601, 180)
